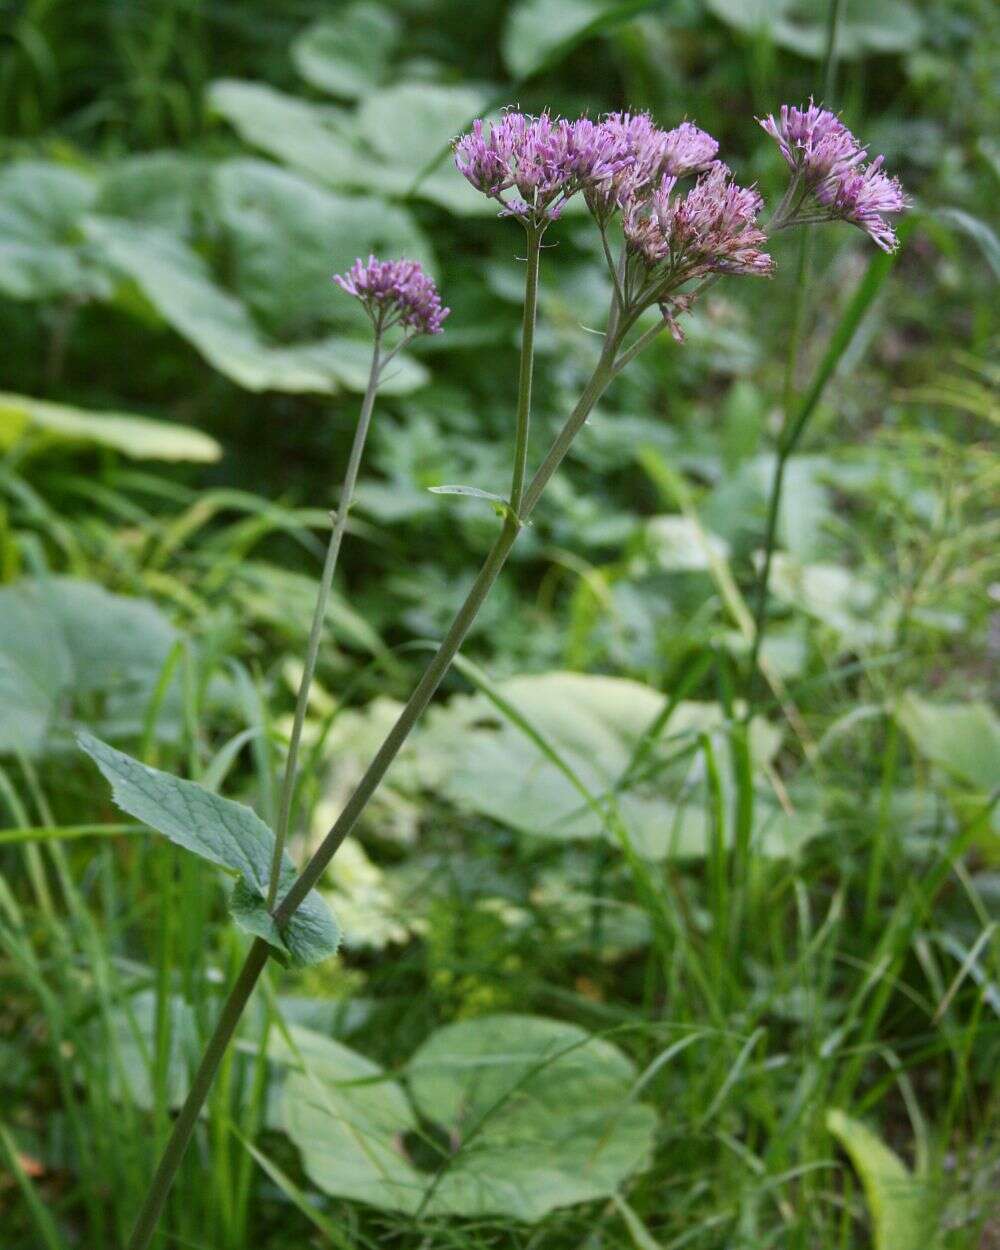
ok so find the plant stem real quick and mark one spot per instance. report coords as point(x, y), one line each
point(791, 431)
point(452, 641)
point(319, 616)
point(243, 987)
point(534, 238)
point(180, 1135)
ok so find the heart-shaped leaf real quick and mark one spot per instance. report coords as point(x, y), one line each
point(520, 1116)
point(348, 53)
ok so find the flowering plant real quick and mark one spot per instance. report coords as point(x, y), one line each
point(685, 224)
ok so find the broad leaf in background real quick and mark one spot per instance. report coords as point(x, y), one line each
point(961, 738)
point(61, 639)
point(538, 30)
point(347, 54)
point(141, 438)
point(537, 1115)
point(898, 1201)
point(178, 284)
point(224, 833)
point(312, 138)
point(552, 774)
point(42, 254)
point(165, 189)
point(864, 26)
point(285, 236)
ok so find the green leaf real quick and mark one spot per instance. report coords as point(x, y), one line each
point(41, 252)
point(536, 1115)
point(500, 504)
point(142, 438)
point(61, 638)
point(165, 189)
point(271, 219)
point(538, 32)
point(224, 833)
point(347, 54)
point(899, 1202)
point(311, 138)
point(178, 284)
point(566, 739)
point(411, 126)
point(961, 738)
point(864, 27)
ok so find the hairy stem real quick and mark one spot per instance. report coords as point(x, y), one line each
point(319, 616)
point(534, 238)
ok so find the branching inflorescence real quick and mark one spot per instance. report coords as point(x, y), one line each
point(675, 242)
point(831, 180)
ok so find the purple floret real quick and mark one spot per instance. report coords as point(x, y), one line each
point(395, 292)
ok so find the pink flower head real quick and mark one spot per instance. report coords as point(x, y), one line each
point(712, 229)
point(687, 150)
point(640, 154)
point(829, 163)
point(395, 292)
point(540, 161)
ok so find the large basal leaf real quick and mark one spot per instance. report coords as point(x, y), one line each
point(42, 255)
point(411, 126)
point(405, 127)
point(224, 833)
point(286, 236)
point(538, 31)
point(347, 54)
point(166, 189)
point(555, 780)
point(61, 638)
point(530, 1115)
point(142, 438)
point(863, 27)
point(306, 136)
point(178, 284)
point(961, 738)
point(898, 1201)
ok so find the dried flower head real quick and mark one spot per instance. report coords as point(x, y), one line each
point(711, 229)
point(395, 292)
point(831, 181)
point(533, 165)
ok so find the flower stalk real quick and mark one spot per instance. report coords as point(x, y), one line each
point(319, 616)
point(674, 247)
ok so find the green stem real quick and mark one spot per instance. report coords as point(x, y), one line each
point(170, 1161)
point(446, 652)
point(239, 995)
point(534, 237)
point(791, 430)
point(319, 617)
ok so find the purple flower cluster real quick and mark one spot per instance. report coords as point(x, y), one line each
point(711, 229)
point(643, 154)
point(623, 163)
point(533, 165)
point(542, 161)
point(830, 176)
point(395, 292)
